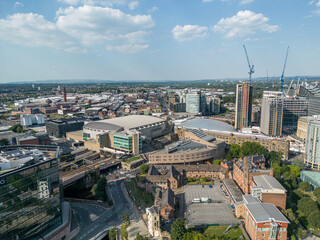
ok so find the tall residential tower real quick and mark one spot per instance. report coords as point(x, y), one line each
point(243, 106)
point(272, 113)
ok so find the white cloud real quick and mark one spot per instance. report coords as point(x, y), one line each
point(246, 1)
point(244, 23)
point(108, 3)
point(128, 48)
point(189, 32)
point(153, 9)
point(133, 5)
point(76, 28)
point(17, 5)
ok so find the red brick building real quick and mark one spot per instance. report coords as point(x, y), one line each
point(263, 221)
point(244, 170)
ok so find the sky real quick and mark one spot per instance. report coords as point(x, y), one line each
point(154, 40)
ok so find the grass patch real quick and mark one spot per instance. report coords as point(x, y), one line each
point(217, 232)
point(132, 159)
point(140, 196)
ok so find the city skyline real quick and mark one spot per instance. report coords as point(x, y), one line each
point(156, 40)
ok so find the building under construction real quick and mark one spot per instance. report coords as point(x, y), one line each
point(293, 109)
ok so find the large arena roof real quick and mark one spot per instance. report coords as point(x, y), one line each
point(127, 122)
point(208, 124)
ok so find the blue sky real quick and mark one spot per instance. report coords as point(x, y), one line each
point(156, 39)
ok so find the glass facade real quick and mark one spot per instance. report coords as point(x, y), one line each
point(124, 142)
point(30, 201)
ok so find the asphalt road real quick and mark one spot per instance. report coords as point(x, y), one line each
point(93, 219)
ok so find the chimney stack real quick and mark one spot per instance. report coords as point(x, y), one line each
point(64, 94)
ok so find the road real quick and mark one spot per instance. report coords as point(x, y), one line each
point(92, 219)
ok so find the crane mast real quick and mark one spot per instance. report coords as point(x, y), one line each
point(284, 68)
point(251, 67)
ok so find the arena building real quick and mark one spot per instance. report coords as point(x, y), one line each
point(121, 135)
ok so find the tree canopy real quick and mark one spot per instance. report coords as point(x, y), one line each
point(177, 230)
point(144, 168)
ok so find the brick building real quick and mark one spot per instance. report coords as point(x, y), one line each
point(171, 176)
point(269, 190)
point(34, 139)
point(244, 170)
point(264, 221)
point(165, 201)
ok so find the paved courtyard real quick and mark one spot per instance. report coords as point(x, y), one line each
point(218, 211)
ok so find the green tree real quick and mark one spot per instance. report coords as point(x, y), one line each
point(33, 131)
point(251, 148)
point(123, 231)
point(139, 237)
point(305, 186)
point(177, 230)
point(125, 217)
point(306, 205)
point(234, 151)
point(99, 189)
point(295, 170)
point(144, 168)
point(316, 192)
point(314, 219)
point(112, 234)
point(217, 161)
point(191, 179)
point(4, 141)
point(17, 128)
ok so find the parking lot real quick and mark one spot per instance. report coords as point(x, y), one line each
point(218, 211)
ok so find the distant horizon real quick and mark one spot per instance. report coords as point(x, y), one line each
point(74, 81)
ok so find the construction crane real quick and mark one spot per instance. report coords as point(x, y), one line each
point(284, 68)
point(251, 70)
point(289, 87)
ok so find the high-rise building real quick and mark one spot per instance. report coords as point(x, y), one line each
point(272, 113)
point(193, 102)
point(243, 106)
point(312, 151)
point(314, 106)
point(213, 105)
point(27, 120)
point(293, 109)
point(30, 196)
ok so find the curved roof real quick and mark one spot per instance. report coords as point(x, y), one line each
point(124, 123)
point(103, 126)
point(208, 124)
point(133, 121)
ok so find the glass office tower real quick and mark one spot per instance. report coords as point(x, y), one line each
point(30, 201)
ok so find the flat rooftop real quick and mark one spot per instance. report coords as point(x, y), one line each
point(268, 182)
point(233, 189)
point(183, 146)
point(265, 212)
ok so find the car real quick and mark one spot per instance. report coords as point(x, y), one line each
point(210, 186)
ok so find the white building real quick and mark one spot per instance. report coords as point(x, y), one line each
point(153, 221)
point(32, 119)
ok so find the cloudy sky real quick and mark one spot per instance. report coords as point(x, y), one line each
point(156, 39)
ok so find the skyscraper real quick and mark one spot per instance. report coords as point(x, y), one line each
point(243, 106)
point(312, 154)
point(193, 102)
point(272, 113)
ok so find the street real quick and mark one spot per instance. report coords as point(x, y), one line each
point(92, 219)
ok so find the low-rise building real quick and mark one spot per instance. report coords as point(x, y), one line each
point(265, 221)
point(165, 201)
point(34, 139)
point(153, 224)
point(171, 176)
point(269, 190)
point(59, 127)
point(32, 119)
